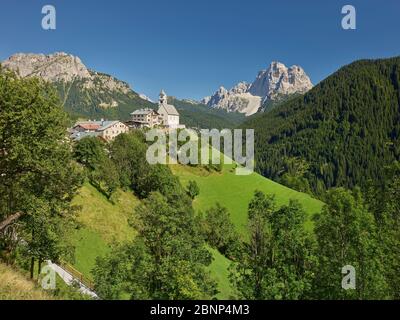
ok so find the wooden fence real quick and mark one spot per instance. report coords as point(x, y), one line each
point(77, 275)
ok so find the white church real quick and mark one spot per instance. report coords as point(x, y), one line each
point(168, 113)
point(166, 116)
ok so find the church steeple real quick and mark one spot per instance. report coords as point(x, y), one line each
point(168, 113)
point(163, 98)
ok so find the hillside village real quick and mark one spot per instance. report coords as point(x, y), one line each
point(166, 117)
point(254, 180)
point(103, 207)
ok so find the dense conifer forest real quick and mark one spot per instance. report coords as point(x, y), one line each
point(341, 133)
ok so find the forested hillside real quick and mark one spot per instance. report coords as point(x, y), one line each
point(268, 243)
point(198, 115)
point(341, 133)
point(90, 103)
point(79, 102)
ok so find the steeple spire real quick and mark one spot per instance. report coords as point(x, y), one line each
point(163, 98)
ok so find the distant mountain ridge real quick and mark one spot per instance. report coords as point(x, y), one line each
point(270, 85)
point(83, 92)
point(89, 94)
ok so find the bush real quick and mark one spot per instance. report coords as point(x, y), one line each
point(220, 232)
point(193, 189)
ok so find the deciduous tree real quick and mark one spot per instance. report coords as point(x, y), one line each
point(37, 174)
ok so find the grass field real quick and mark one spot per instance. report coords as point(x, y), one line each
point(15, 286)
point(219, 272)
point(104, 223)
point(109, 220)
point(235, 192)
point(88, 246)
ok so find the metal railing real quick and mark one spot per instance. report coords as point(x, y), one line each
point(77, 275)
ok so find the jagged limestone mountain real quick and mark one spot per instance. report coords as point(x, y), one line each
point(271, 85)
point(278, 80)
point(83, 92)
point(237, 99)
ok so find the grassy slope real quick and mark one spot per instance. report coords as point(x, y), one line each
point(220, 273)
point(235, 192)
point(15, 286)
point(102, 224)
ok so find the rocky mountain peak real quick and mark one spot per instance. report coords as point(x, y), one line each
point(59, 66)
point(277, 66)
point(278, 80)
point(241, 87)
point(82, 90)
point(63, 67)
point(273, 83)
point(222, 91)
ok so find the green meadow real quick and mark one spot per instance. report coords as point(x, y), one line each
point(235, 192)
point(103, 223)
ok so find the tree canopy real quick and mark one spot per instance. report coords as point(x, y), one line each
point(37, 174)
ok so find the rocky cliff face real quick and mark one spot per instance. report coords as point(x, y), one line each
point(236, 99)
point(279, 80)
point(82, 91)
point(55, 67)
point(62, 67)
point(271, 84)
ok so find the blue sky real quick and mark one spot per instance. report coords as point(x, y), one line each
point(190, 47)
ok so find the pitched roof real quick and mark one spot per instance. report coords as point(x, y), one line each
point(88, 126)
point(95, 125)
point(107, 124)
point(80, 135)
point(170, 109)
point(143, 111)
